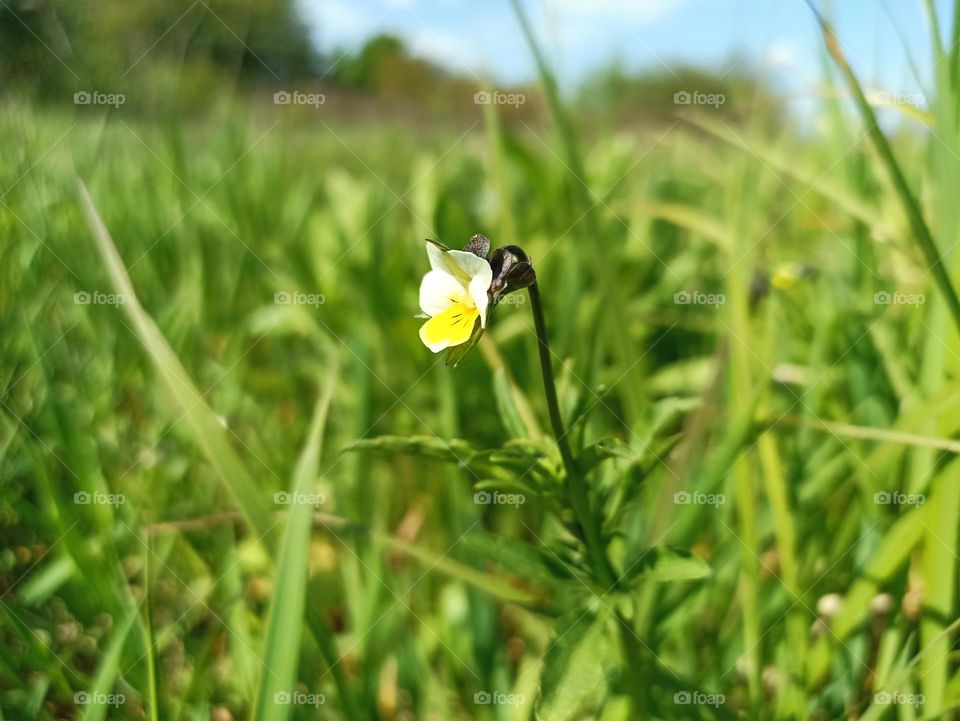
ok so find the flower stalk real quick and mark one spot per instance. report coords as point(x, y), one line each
point(573, 480)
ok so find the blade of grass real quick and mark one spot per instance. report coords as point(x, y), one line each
point(599, 251)
point(153, 696)
point(200, 417)
point(910, 204)
point(102, 685)
point(207, 429)
point(894, 550)
point(493, 585)
point(285, 616)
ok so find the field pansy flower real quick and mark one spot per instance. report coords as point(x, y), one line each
point(461, 288)
point(455, 293)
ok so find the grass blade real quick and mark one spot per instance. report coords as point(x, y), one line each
point(95, 708)
point(198, 415)
point(285, 618)
point(910, 204)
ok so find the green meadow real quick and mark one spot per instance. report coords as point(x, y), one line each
point(235, 484)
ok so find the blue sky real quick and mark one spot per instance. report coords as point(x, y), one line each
point(777, 36)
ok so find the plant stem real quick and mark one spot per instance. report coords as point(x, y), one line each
point(576, 489)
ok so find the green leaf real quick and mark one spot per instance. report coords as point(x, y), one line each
point(666, 565)
point(573, 672)
point(603, 450)
point(454, 451)
point(514, 556)
point(285, 617)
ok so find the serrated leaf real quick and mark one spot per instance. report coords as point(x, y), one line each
point(506, 486)
point(454, 451)
point(514, 556)
point(573, 673)
point(666, 565)
point(603, 450)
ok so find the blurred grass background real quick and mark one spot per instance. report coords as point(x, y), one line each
point(815, 396)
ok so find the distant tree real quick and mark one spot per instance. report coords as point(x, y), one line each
point(52, 44)
point(364, 70)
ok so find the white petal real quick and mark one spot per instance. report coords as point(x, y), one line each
point(438, 291)
point(459, 263)
point(479, 285)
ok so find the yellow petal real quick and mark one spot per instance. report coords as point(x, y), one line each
point(449, 328)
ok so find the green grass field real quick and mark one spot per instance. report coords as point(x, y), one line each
point(755, 353)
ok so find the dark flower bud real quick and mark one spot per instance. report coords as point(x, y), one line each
point(512, 271)
point(479, 245)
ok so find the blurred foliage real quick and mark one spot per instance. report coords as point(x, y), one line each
point(656, 96)
point(50, 46)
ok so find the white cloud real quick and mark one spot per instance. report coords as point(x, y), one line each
point(338, 21)
point(629, 12)
point(782, 54)
point(446, 50)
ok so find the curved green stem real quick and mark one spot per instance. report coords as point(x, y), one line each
point(573, 481)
